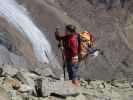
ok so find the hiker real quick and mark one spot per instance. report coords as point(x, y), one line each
point(70, 52)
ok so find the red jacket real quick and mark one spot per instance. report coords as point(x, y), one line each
point(73, 46)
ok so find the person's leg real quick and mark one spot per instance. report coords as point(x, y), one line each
point(101, 2)
point(75, 76)
point(73, 73)
point(122, 3)
point(105, 2)
point(69, 70)
point(110, 4)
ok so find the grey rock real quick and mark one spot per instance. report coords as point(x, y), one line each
point(5, 56)
point(26, 89)
point(62, 88)
point(79, 97)
point(27, 79)
point(121, 84)
point(42, 70)
point(9, 69)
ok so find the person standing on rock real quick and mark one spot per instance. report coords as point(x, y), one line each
point(70, 52)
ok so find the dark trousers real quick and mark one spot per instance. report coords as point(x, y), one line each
point(108, 3)
point(122, 3)
point(72, 70)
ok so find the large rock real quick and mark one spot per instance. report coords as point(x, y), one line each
point(42, 70)
point(12, 70)
point(55, 87)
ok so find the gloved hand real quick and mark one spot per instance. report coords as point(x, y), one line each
point(75, 59)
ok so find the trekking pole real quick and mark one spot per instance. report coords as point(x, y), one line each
point(64, 63)
point(60, 45)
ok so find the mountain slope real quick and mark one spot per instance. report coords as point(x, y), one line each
point(109, 28)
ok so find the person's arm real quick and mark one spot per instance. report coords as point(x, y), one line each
point(58, 38)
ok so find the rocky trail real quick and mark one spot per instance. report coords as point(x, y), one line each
point(23, 85)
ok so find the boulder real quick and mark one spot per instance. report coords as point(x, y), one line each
point(10, 83)
point(25, 89)
point(59, 88)
point(27, 80)
point(9, 69)
point(42, 69)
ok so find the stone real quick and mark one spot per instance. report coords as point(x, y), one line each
point(60, 88)
point(42, 69)
point(1, 72)
point(27, 80)
point(25, 88)
point(10, 83)
point(79, 97)
point(10, 70)
point(16, 85)
point(121, 84)
point(26, 77)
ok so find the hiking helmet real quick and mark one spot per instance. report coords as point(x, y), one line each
point(70, 29)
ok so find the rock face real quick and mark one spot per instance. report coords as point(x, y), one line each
point(15, 43)
point(30, 86)
point(9, 58)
